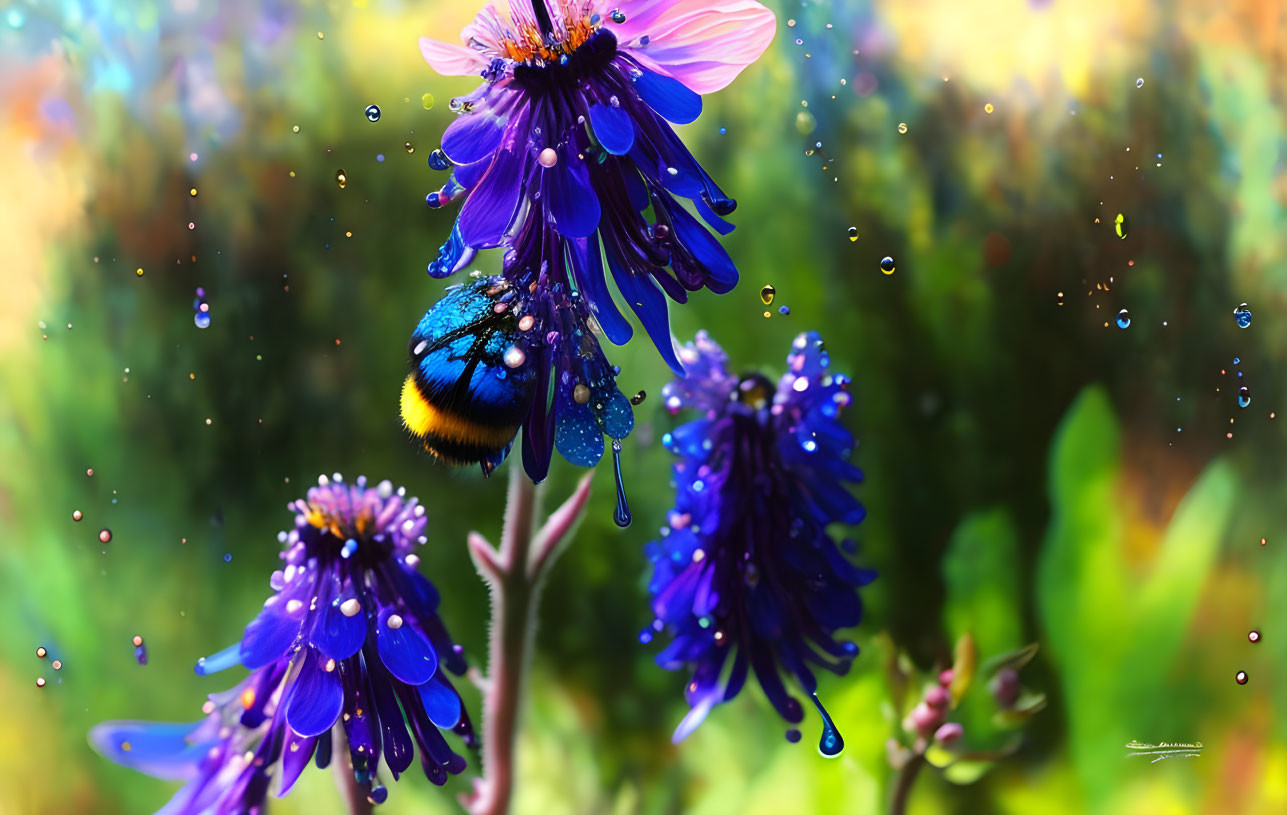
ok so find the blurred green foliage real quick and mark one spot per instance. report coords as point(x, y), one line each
point(1027, 478)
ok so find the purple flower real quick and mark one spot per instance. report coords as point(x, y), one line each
point(351, 635)
point(746, 577)
point(566, 159)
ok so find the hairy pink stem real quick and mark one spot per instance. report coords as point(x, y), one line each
point(514, 576)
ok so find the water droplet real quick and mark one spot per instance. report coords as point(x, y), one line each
point(831, 744)
point(767, 293)
point(793, 735)
point(1244, 396)
point(723, 131)
point(1242, 316)
point(784, 310)
point(547, 157)
point(1240, 677)
point(438, 160)
point(902, 127)
point(40, 652)
point(341, 178)
point(57, 665)
point(622, 515)
point(40, 681)
point(1119, 225)
point(409, 147)
point(105, 535)
point(645, 636)
point(227, 557)
point(514, 356)
point(853, 233)
point(1123, 319)
point(76, 515)
point(1139, 83)
point(426, 101)
point(638, 398)
point(373, 113)
point(887, 265)
point(201, 319)
point(988, 108)
point(617, 16)
point(1253, 636)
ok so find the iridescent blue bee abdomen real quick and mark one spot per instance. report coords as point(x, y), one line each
point(471, 382)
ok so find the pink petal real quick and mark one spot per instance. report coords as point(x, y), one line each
point(703, 43)
point(452, 60)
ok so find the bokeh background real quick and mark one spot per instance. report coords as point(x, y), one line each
point(1034, 472)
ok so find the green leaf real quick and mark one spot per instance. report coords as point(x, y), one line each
point(966, 772)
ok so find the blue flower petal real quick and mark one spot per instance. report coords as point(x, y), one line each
point(295, 757)
point(337, 635)
point(473, 137)
point(649, 304)
point(670, 98)
point(316, 697)
point(159, 749)
point(441, 703)
point(406, 653)
point(269, 636)
point(613, 128)
point(587, 267)
point(220, 661)
point(571, 201)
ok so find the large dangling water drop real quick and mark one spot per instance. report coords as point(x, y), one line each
point(622, 515)
point(831, 744)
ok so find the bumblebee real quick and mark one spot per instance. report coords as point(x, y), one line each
point(471, 383)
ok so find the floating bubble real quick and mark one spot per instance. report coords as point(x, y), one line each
point(902, 127)
point(90, 472)
point(1119, 225)
point(1244, 396)
point(77, 515)
point(438, 160)
point(887, 265)
point(139, 271)
point(793, 735)
point(40, 681)
point(201, 319)
point(57, 665)
point(1253, 636)
point(723, 131)
point(514, 356)
point(40, 652)
point(1240, 677)
point(409, 147)
point(1242, 316)
point(341, 178)
point(852, 232)
point(1139, 83)
point(784, 310)
point(1123, 319)
point(638, 398)
point(105, 535)
point(768, 314)
point(426, 101)
point(767, 293)
point(373, 113)
point(988, 108)
point(617, 16)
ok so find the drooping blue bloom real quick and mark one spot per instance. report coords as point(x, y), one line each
point(566, 159)
point(352, 636)
point(746, 576)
